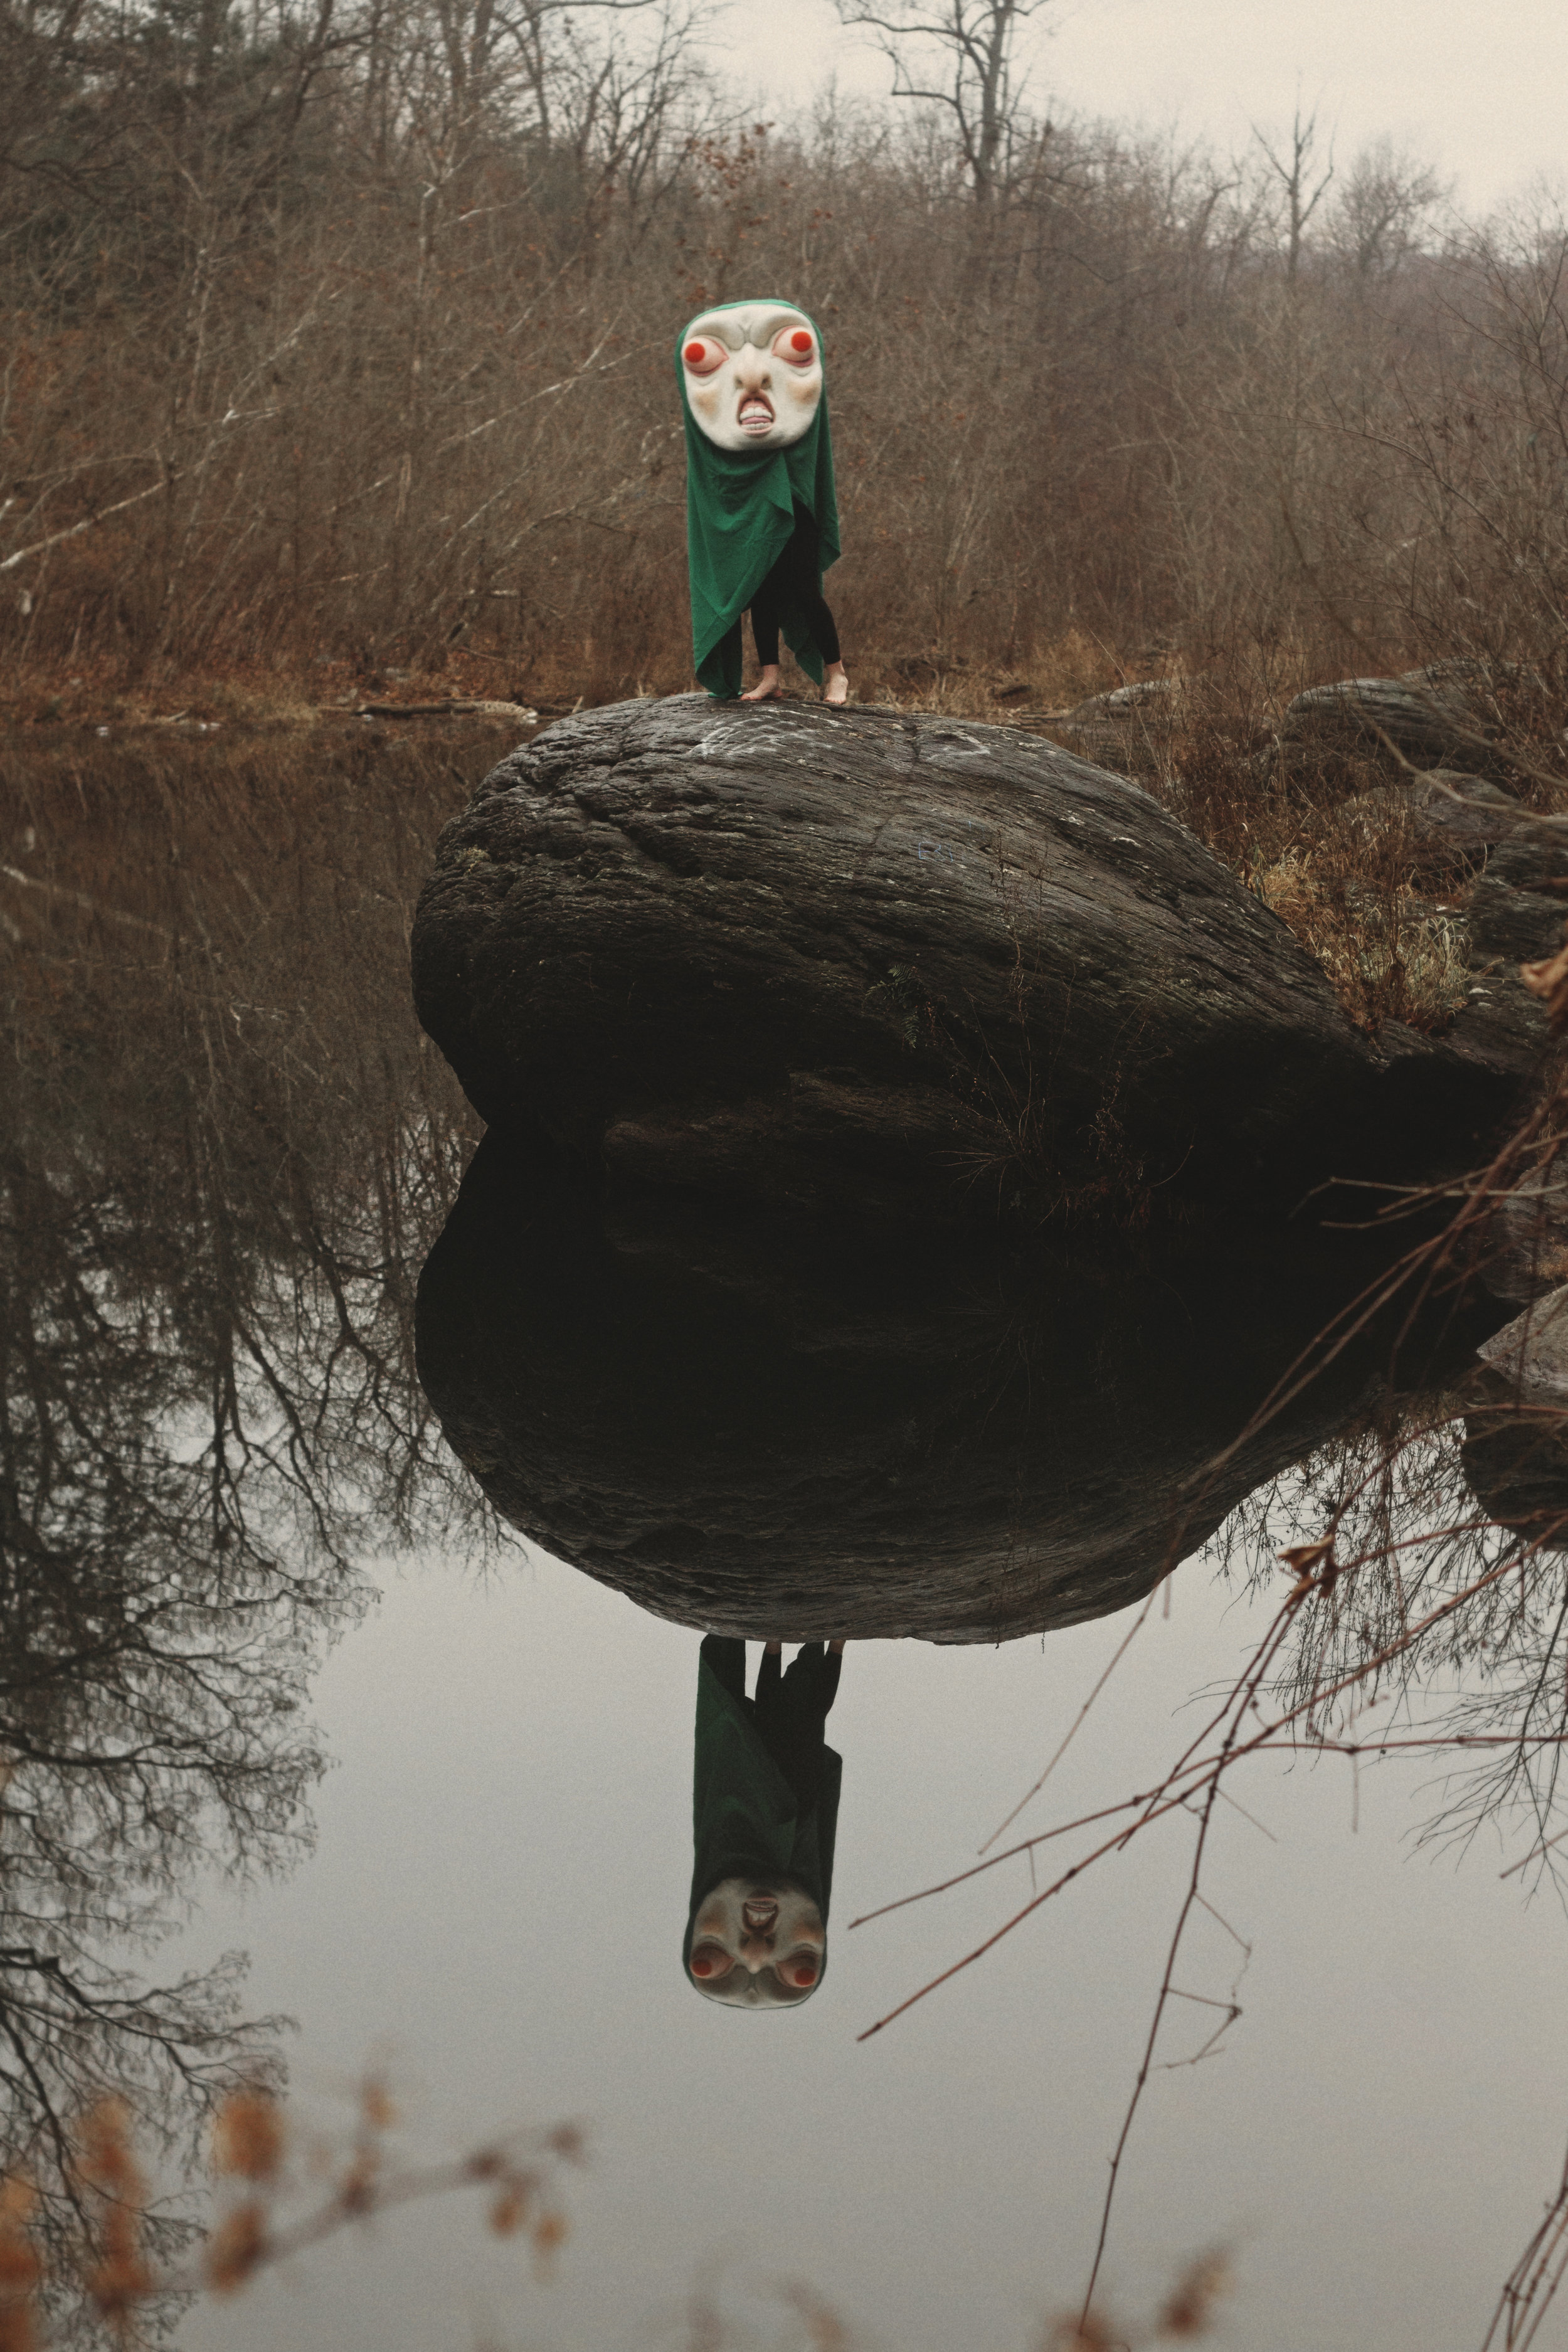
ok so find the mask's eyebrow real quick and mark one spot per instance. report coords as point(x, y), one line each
point(722, 330)
point(772, 322)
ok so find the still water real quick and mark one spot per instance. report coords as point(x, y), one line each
point(252, 1587)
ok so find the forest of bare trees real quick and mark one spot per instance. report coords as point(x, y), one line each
point(344, 332)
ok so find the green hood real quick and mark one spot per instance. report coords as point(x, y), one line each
point(740, 512)
point(747, 1819)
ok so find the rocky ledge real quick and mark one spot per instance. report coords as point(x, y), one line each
point(909, 963)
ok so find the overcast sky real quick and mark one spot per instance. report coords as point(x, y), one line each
point(1471, 86)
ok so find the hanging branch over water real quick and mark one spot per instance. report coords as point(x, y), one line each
point(1395, 1579)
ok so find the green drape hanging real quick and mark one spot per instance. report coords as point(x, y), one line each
point(740, 513)
point(747, 1821)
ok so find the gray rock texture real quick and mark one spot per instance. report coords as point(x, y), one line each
point(1425, 715)
point(1516, 908)
point(1526, 1241)
point(908, 964)
point(1531, 1353)
point(1447, 824)
point(1515, 1460)
point(1515, 1452)
point(1129, 730)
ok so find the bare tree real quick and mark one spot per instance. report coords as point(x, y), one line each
point(1386, 197)
point(970, 44)
point(1294, 168)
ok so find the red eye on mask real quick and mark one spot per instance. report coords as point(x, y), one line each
point(800, 1972)
point(710, 1960)
point(703, 354)
point(794, 344)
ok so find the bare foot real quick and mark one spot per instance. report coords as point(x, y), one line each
point(836, 685)
point(835, 1649)
point(767, 686)
point(773, 1648)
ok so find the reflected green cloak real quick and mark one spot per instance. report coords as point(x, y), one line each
point(747, 1819)
point(740, 512)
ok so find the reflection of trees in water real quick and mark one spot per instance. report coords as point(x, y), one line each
point(1422, 1612)
point(1432, 1621)
point(1413, 1502)
point(228, 1154)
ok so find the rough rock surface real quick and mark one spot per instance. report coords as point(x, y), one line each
point(1526, 1242)
point(759, 1424)
point(1515, 1452)
point(1425, 715)
point(1450, 822)
point(907, 962)
point(1129, 730)
point(1515, 1460)
point(1516, 908)
point(1531, 1353)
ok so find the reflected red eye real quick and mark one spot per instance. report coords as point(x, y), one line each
point(800, 1971)
point(793, 343)
point(703, 354)
point(709, 1960)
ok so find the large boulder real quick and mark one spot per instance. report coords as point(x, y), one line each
point(1443, 825)
point(1427, 715)
point(759, 1423)
point(1531, 1353)
point(1515, 1461)
point(903, 962)
point(1129, 729)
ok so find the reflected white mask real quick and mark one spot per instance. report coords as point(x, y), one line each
point(754, 374)
point(759, 1937)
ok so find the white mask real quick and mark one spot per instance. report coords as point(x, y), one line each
point(754, 374)
point(760, 1938)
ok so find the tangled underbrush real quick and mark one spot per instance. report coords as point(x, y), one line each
point(1391, 954)
point(1334, 837)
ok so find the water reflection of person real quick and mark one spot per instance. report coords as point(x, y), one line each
point(764, 1810)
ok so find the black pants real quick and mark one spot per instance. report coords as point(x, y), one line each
point(791, 1706)
point(796, 579)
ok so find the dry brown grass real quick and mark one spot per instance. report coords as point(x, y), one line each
point(1328, 838)
point(276, 2199)
point(111, 689)
point(1391, 954)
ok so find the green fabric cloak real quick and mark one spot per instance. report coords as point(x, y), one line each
point(740, 513)
point(747, 1819)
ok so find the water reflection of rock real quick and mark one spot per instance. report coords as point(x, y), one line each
point(765, 1428)
point(1515, 1450)
point(1515, 1461)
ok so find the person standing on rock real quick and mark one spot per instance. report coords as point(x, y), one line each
point(765, 1813)
point(762, 525)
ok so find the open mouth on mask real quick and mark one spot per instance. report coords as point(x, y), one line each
point(755, 413)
